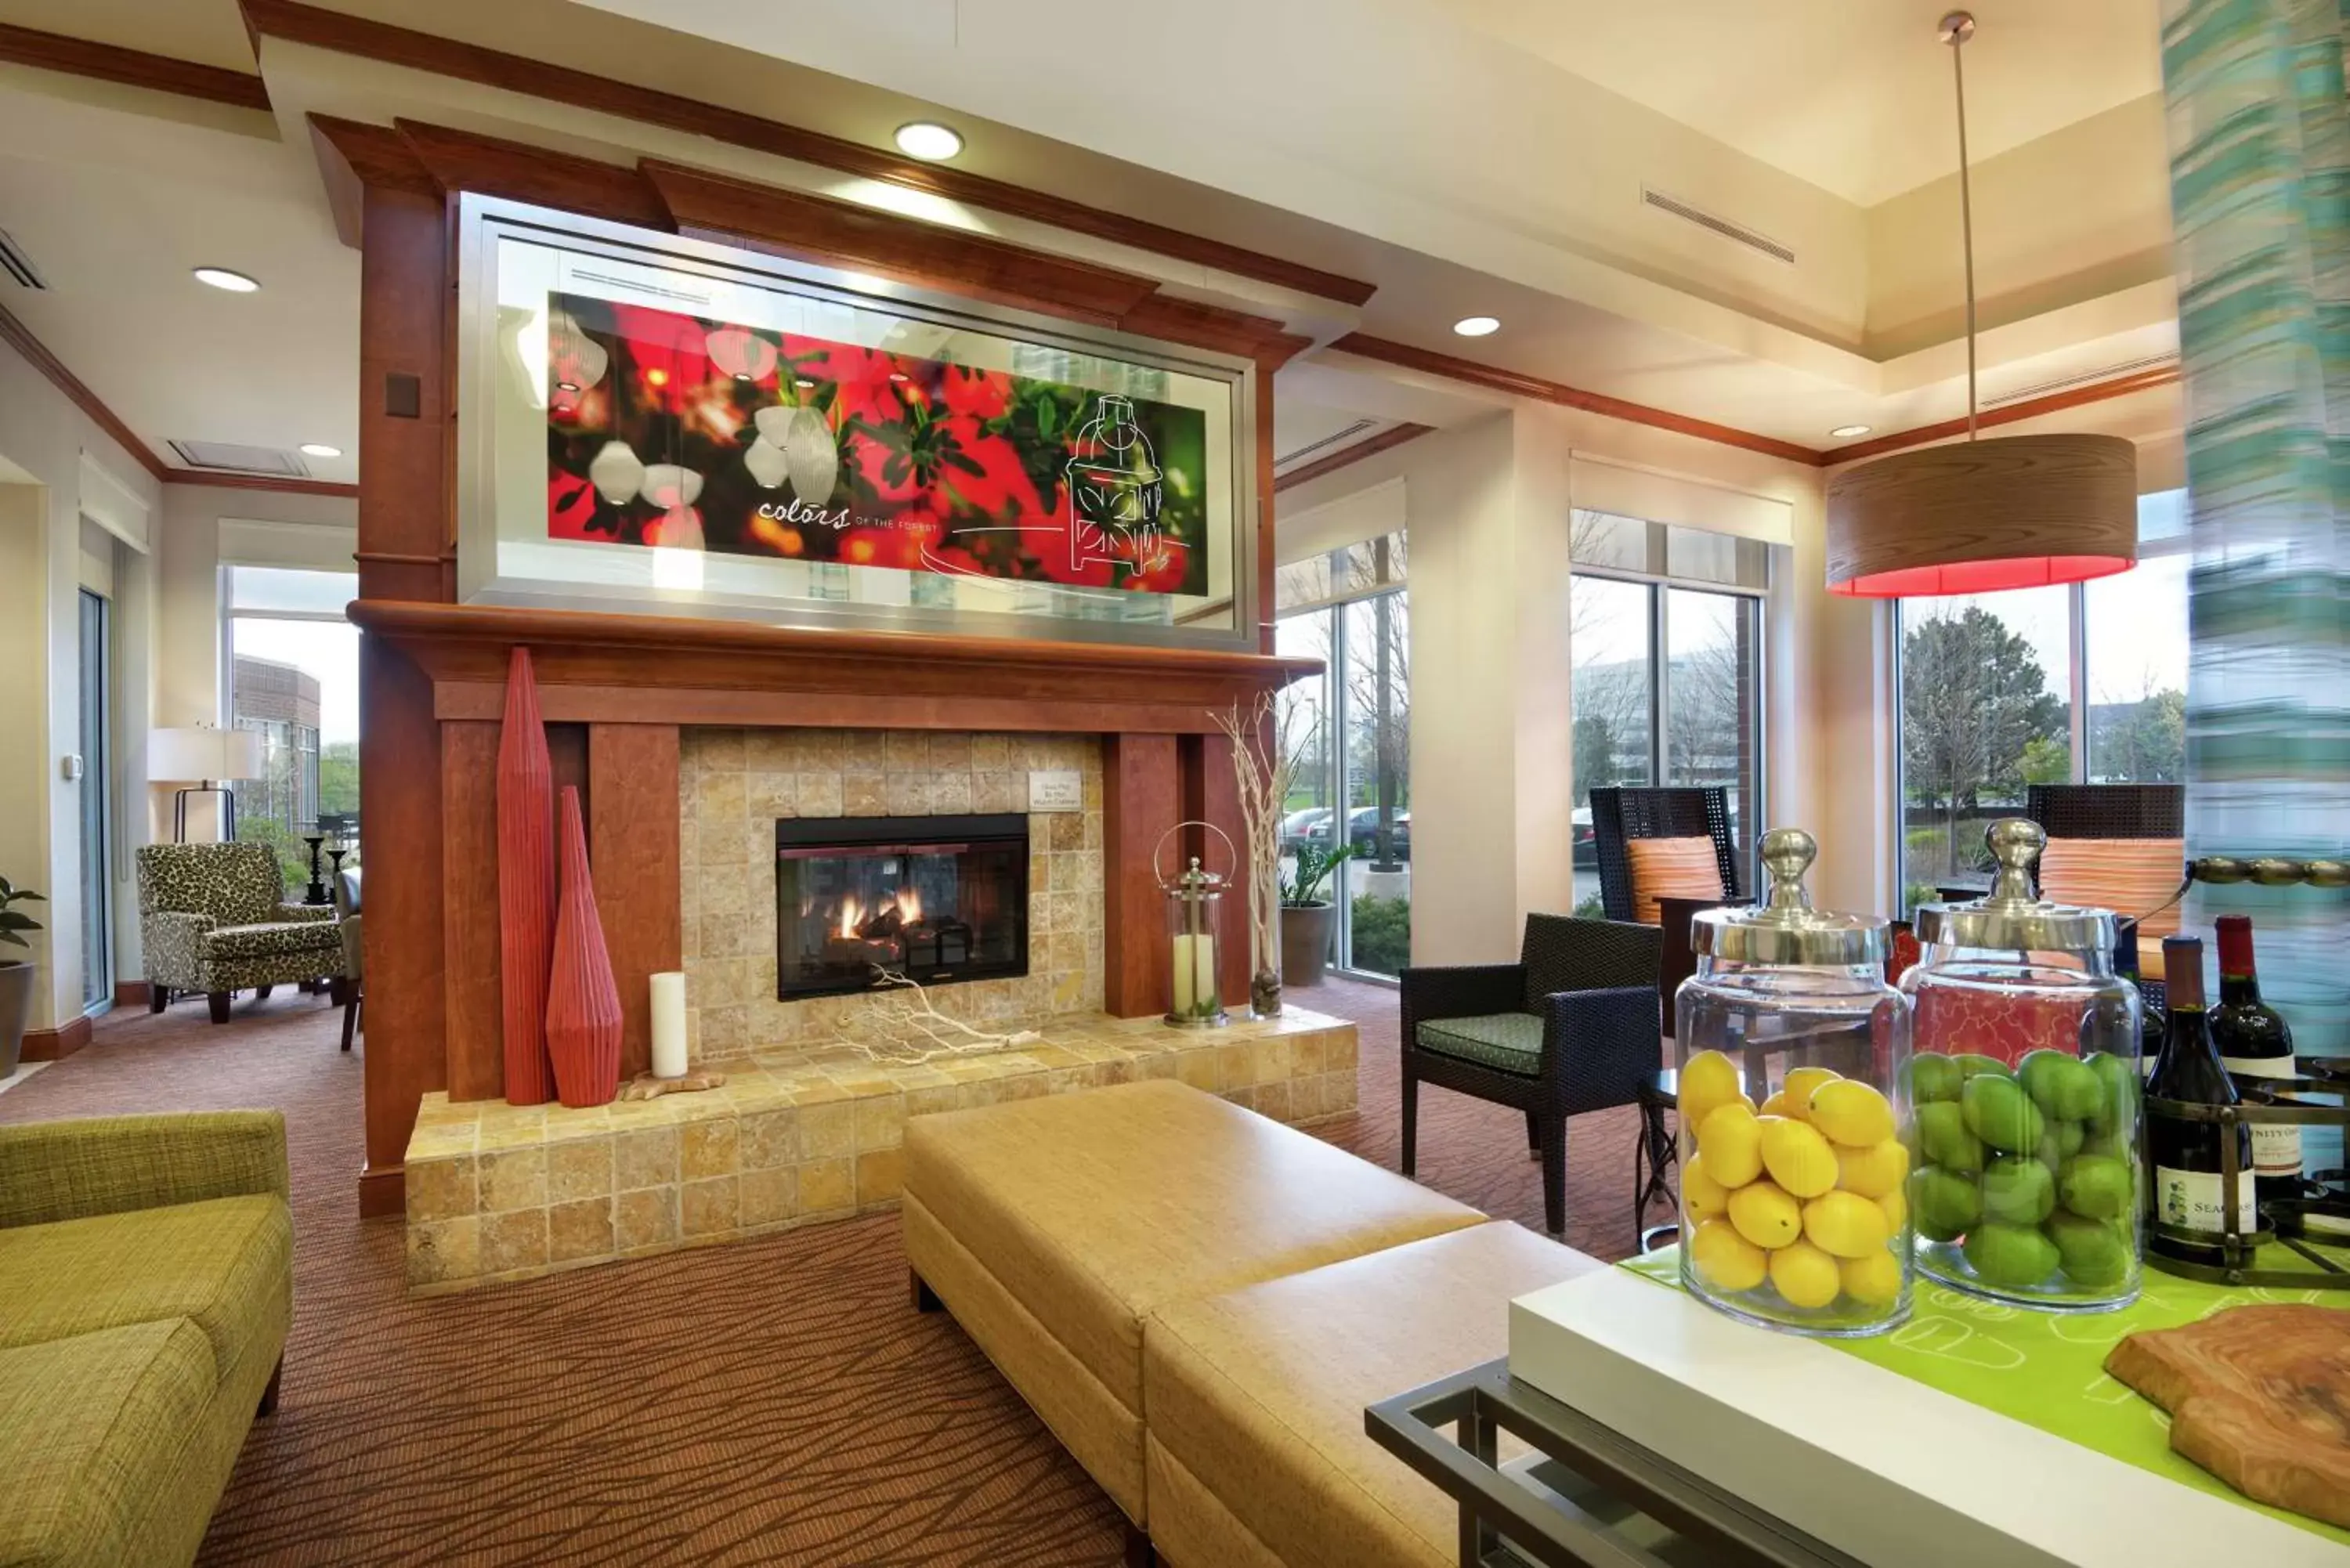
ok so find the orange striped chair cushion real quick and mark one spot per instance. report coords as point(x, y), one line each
point(1671, 868)
point(2129, 876)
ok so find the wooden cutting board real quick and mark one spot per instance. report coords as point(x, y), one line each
point(2259, 1396)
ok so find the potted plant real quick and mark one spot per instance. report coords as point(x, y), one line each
point(17, 976)
point(1306, 914)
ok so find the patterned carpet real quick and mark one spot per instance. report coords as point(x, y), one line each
point(775, 1401)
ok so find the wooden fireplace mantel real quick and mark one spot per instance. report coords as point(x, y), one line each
point(605, 669)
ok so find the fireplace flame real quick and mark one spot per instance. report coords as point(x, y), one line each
point(909, 905)
point(849, 913)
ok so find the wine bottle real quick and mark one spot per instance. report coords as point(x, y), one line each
point(2255, 1043)
point(2188, 1192)
point(2149, 1019)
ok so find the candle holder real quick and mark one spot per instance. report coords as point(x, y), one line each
point(1194, 905)
point(316, 892)
point(2301, 1240)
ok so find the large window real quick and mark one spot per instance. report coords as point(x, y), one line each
point(1666, 633)
point(293, 677)
point(1351, 735)
point(2080, 683)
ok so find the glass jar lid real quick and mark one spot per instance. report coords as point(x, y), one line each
point(2009, 916)
point(1786, 930)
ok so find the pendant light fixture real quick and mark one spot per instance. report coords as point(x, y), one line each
point(1980, 516)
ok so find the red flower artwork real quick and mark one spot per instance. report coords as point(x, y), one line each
point(743, 441)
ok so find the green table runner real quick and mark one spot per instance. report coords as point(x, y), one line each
point(2047, 1370)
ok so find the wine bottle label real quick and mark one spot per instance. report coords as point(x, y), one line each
point(2276, 1150)
point(2192, 1201)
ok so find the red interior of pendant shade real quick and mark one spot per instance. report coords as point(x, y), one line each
point(1982, 577)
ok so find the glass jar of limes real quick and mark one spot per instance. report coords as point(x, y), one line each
point(1795, 1129)
point(2026, 1086)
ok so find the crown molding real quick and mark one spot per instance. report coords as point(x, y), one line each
point(131, 67)
point(1347, 456)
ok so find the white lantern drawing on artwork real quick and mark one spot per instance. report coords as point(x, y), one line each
point(1114, 489)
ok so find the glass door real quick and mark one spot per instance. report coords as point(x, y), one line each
point(1711, 690)
point(97, 805)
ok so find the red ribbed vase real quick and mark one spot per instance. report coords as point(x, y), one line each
point(583, 1000)
point(526, 886)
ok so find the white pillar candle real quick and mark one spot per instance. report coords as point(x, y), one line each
point(669, 1024)
point(1204, 993)
point(1183, 972)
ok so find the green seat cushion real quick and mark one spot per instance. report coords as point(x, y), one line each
point(1511, 1042)
point(92, 1428)
point(226, 1263)
point(270, 940)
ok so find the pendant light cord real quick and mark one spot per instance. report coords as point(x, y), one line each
point(1958, 40)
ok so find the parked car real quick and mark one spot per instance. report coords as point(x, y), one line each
point(1587, 843)
point(1363, 832)
point(1298, 826)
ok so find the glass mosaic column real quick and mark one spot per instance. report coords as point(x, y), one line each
point(2259, 139)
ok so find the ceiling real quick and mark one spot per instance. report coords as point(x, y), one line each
point(1367, 154)
point(1853, 96)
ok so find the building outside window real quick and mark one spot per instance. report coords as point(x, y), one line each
point(293, 679)
point(1666, 633)
point(2078, 683)
point(1351, 734)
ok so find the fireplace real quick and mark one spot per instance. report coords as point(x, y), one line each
point(936, 899)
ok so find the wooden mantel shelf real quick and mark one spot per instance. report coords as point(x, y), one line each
point(598, 668)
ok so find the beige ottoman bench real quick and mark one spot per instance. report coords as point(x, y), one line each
point(1052, 1228)
point(1257, 1457)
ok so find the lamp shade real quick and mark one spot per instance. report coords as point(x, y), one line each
point(1976, 516)
point(199, 753)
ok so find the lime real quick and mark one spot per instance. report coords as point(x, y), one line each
point(2000, 1112)
point(1945, 1140)
point(2061, 1083)
point(2097, 1253)
point(2096, 1186)
point(2018, 1191)
point(2013, 1257)
point(1933, 1076)
point(1973, 1064)
point(2116, 1110)
point(1949, 1203)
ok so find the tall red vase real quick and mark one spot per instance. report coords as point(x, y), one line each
point(583, 1000)
point(526, 886)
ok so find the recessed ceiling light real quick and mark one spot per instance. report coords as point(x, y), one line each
point(929, 141)
point(1845, 433)
point(221, 277)
point(1477, 326)
point(320, 449)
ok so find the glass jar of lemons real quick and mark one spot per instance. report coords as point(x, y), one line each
point(1795, 1124)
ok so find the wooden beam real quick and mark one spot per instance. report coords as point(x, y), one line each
point(474, 1030)
point(398, 45)
point(2007, 414)
point(465, 160)
point(1347, 456)
point(632, 853)
point(131, 67)
point(1519, 385)
point(277, 484)
point(1142, 797)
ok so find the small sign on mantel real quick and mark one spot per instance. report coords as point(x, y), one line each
point(1056, 789)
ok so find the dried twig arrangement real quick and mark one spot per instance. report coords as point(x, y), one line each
point(894, 1030)
point(1264, 763)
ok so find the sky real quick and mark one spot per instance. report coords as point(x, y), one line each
point(329, 650)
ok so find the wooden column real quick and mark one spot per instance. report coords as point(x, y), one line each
point(404, 522)
point(632, 852)
point(475, 1048)
point(1142, 796)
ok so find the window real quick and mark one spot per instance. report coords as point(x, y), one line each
point(1350, 735)
point(1667, 674)
point(2073, 684)
point(293, 679)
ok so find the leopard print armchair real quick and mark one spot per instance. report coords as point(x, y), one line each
point(212, 918)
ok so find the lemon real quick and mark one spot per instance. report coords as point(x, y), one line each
point(1702, 1198)
point(1800, 1084)
point(1730, 1139)
point(1798, 1158)
point(1779, 1105)
point(1852, 1113)
point(1844, 1223)
point(1873, 1171)
point(1767, 1216)
point(1896, 1205)
point(1708, 1079)
point(1806, 1276)
point(1728, 1261)
point(1874, 1279)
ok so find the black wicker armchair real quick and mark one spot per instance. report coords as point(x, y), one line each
point(1619, 815)
point(1571, 1027)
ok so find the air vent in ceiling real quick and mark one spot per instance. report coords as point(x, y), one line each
point(227, 457)
point(2085, 379)
point(16, 264)
point(1336, 438)
point(1722, 226)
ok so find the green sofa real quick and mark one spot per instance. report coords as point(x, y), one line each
point(146, 1288)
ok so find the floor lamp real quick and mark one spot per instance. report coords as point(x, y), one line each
point(202, 757)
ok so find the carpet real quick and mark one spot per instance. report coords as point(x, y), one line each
point(775, 1401)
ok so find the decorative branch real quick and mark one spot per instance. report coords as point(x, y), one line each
point(1265, 762)
point(910, 1033)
